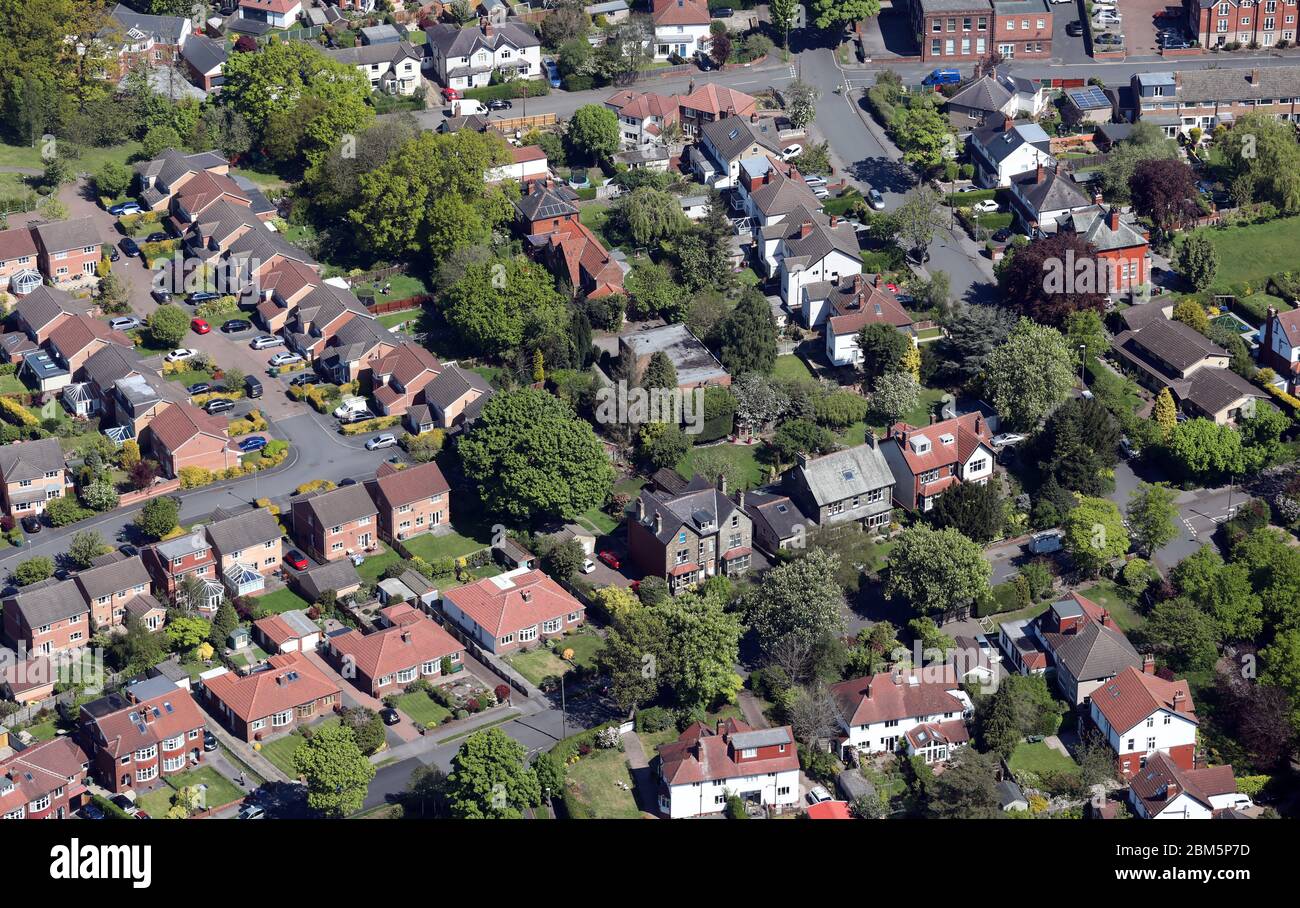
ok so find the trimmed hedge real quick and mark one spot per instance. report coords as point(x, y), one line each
point(522, 88)
point(370, 425)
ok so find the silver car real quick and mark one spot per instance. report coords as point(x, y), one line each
point(386, 440)
point(266, 341)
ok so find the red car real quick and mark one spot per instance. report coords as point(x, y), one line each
point(610, 559)
point(200, 326)
point(295, 560)
point(450, 94)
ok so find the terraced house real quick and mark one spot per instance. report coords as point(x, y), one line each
point(31, 474)
point(1206, 98)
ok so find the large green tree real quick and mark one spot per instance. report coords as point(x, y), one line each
point(593, 132)
point(799, 600)
point(1152, 516)
point(336, 771)
point(974, 509)
point(1095, 533)
point(840, 13)
point(937, 571)
point(1206, 451)
point(490, 778)
point(1029, 374)
point(747, 336)
point(496, 303)
point(533, 458)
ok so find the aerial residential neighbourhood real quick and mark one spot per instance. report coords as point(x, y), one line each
point(650, 409)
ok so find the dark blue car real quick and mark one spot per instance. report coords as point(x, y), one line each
point(254, 443)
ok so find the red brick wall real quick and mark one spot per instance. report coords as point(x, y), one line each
point(59, 636)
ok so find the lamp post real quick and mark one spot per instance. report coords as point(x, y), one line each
point(1083, 361)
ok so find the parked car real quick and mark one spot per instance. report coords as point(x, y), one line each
point(942, 77)
point(156, 237)
point(111, 253)
point(1173, 42)
point(252, 387)
point(390, 715)
point(721, 12)
point(704, 61)
point(235, 325)
point(252, 443)
point(451, 94)
point(1073, 29)
point(160, 296)
point(92, 812)
point(124, 208)
point(987, 649)
point(1128, 449)
point(125, 323)
point(306, 378)
point(181, 353)
point(1109, 40)
point(1007, 438)
point(203, 296)
point(350, 405)
point(588, 566)
point(875, 199)
point(552, 73)
point(1045, 543)
point(285, 358)
point(987, 206)
point(791, 151)
point(31, 524)
point(817, 794)
point(200, 326)
point(347, 481)
point(125, 804)
point(129, 247)
point(199, 387)
point(814, 180)
point(295, 559)
point(499, 104)
point(209, 741)
point(609, 558)
point(251, 812)
point(219, 405)
point(386, 440)
point(1001, 236)
point(354, 416)
point(266, 341)
point(1106, 17)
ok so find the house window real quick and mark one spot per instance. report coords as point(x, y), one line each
point(146, 753)
point(281, 718)
point(1132, 744)
point(573, 616)
point(1151, 721)
point(406, 676)
point(508, 638)
point(429, 668)
point(1151, 743)
point(147, 774)
point(174, 764)
point(749, 752)
point(40, 804)
point(551, 626)
point(527, 634)
point(977, 466)
point(257, 723)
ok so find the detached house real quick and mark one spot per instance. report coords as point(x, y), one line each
point(876, 712)
point(1163, 790)
point(846, 307)
point(469, 57)
point(163, 176)
point(31, 473)
point(79, 337)
point(335, 524)
point(401, 376)
point(391, 68)
point(681, 27)
point(44, 309)
point(987, 99)
point(811, 247)
point(1043, 197)
point(410, 501)
point(850, 485)
point(1141, 714)
point(723, 144)
point(149, 730)
point(171, 561)
point(289, 693)
point(183, 436)
point(387, 661)
point(514, 610)
point(355, 348)
point(454, 398)
point(704, 766)
point(1279, 345)
point(712, 101)
point(1003, 149)
point(69, 251)
point(46, 781)
point(695, 364)
point(691, 535)
point(248, 548)
point(926, 462)
point(643, 116)
point(1119, 242)
point(47, 618)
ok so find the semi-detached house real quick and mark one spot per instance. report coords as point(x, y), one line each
point(875, 712)
point(1141, 714)
point(43, 782)
point(928, 461)
point(387, 661)
point(690, 535)
point(152, 729)
point(335, 524)
point(704, 766)
point(248, 548)
point(468, 57)
point(289, 693)
point(854, 484)
point(109, 586)
point(410, 501)
point(31, 474)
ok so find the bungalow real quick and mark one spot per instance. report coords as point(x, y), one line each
point(703, 767)
point(31, 473)
point(1163, 790)
point(696, 366)
point(513, 610)
point(854, 484)
point(69, 251)
point(470, 57)
point(387, 661)
point(411, 501)
point(47, 618)
point(454, 398)
point(681, 27)
point(183, 436)
point(925, 462)
point(691, 535)
point(335, 524)
point(150, 729)
point(876, 712)
point(289, 693)
point(248, 548)
point(288, 632)
point(1001, 149)
point(45, 781)
point(1141, 714)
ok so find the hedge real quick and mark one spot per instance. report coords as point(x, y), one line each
point(370, 425)
point(253, 422)
point(1254, 308)
point(16, 413)
point(967, 199)
point(200, 399)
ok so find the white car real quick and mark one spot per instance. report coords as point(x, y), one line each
point(183, 353)
point(1060, 1)
point(985, 207)
point(1107, 17)
point(792, 151)
point(817, 794)
point(387, 440)
point(588, 566)
point(265, 341)
point(815, 181)
point(1007, 438)
point(350, 405)
point(285, 358)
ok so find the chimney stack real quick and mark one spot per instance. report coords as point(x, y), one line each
point(1007, 123)
point(406, 636)
point(740, 499)
point(1254, 76)
point(835, 221)
point(640, 509)
point(1148, 664)
point(1180, 702)
point(659, 523)
point(1114, 218)
point(722, 483)
point(979, 424)
point(1172, 790)
point(802, 459)
point(857, 283)
point(1097, 198)
point(1038, 174)
point(804, 229)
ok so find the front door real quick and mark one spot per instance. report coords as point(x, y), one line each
point(364, 540)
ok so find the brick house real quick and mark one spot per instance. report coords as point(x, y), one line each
point(46, 308)
point(876, 712)
point(335, 524)
point(1265, 22)
point(146, 39)
point(108, 587)
point(245, 542)
point(454, 398)
point(355, 349)
point(710, 102)
point(165, 175)
point(386, 661)
point(69, 251)
point(1164, 790)
point(79, 337)
point(689, 536)
point(31, 473)
point(151, 729)
point(1178, 101)
point(513, 610)
point(850, 485)
point(290, 693)
point(48, 617)
point(927, 461)
point(1118, 240)
point(698, 771)
point(410, 501)
point(169, 562)
point(952, 31)
point(183, 436)
point(1022, 29)
point(287, 632)
point(17, 254)
point(43, 782)
point(400, 376)
point(1141, 714)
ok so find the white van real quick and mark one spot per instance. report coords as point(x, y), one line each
point(351, 405)
point(1045, 543)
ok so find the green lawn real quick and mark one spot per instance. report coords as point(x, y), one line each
point(791, 367)
point(1250, 253)
point(1039, 758)
point(541, 662)
point(220, 791)
point(281, 750)
point(257, 655)
point(43, 731)
point(650, 741)
point(393, 319)
point(1106, 594)
point(918, 415)
point(422, 709)
point(431, 547)
point(747, 472)
point(375, 565)
point(400, 287)
point(594, 781)
point(282, 600)
point(90, 160)
point(191, 376)
point(594, 216)
point(12, 384)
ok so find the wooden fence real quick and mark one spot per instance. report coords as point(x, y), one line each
point(524, 124)
point(402, 305)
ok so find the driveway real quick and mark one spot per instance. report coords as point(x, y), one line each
point(1067, 49)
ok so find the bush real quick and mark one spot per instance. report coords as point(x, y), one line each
point(65, 510)
point(16, 413)
point(653, 719)
point(193, 477)
point(370, 425)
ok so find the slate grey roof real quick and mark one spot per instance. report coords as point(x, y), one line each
point(1173, 342)
point(780, 514)
point(955, 6)
point(453, 383)
point(333, 575)
point(985, 93)
point(1211, 390)
point(262, 244)
point(733, 136)
point(781, 194)
point(184, 545)
point(113, 578)
point(356, 337)
point(370, 54)
point(171, 164)
point(1000, 143)
point(844, 474)
point(49, 603)
point(700, 505)
point(62, 236)
point(325, 303)
point(1095, 652)
point(29, 460)
point(452, 41)
point(821, 240)
point(203, 53)
point(1093, 224)
point(547, 201)
point(1238, 84)
point(380, 34)
point(44, 304)
point(108, 365)
point(760, 737)
point(338, 506)
point(1055, 192)
point(163, 29)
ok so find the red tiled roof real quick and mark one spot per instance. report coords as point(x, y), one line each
point(401, 487)
point(16, 243)
point(522, 154)
point(1152, 783)
point(1131, 696)
point(717, 99)
point(155, 720)
point(276, 629)
point(40, 770)
point(406, 363)
point(204, 188)
point(953, 731)
point(906, 694)
point(530, 598)
point(1289, 320)
point(398, 648)
point(582, 253)
point(291, 681)
point(401, 614)
point(702, 755)
point(680, 12)
point(180, 422)
point(640, 105)
point(830, 810)
point(966, 440)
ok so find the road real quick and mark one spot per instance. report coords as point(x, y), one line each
point(1200, 511)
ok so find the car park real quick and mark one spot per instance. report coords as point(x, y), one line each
point(609, 558)
point(236, 325)
point(124, 208)
point(252, 443)
point(875, 199)
point(125, 323)
point(266, 341)
point(386, 440)
point(31, 524)
point(285, 358)
point(129, 247)
point(295, 559)
point(181, 353)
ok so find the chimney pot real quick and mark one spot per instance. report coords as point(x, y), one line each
point(740, 499)
point(659, 523)
point(722, 483)
point(640, 510)
point(1148, 664)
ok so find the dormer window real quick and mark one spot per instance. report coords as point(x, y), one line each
point(947, 438)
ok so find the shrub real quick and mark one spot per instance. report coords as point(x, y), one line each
point(193, 477)
point(65, 510)
point(653, 719)
point(370, 425)
point(16, 413)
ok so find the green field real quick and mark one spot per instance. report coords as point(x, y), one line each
point(422, 709)
point(595, 781)
point(541, 662)
point(1250, 253)
point(282, 600)
point(1108, 596)
point(1039, 758)
point(791, 367)
point(89, 159)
